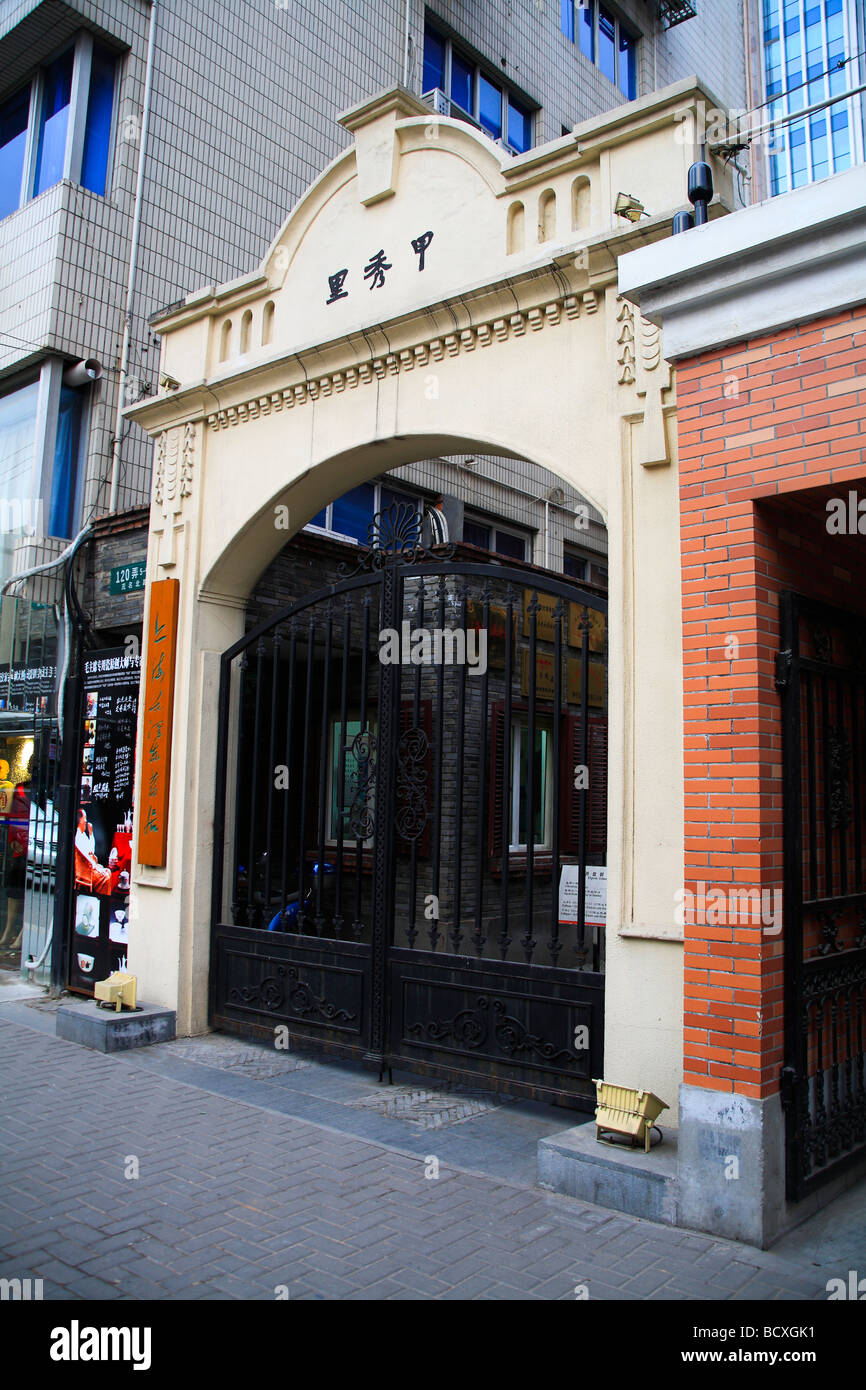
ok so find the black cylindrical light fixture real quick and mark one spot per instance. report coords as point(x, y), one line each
point(683, 221)
point(700, 190)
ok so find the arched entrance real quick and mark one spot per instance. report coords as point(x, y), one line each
point(410, 838)
point(285, 389)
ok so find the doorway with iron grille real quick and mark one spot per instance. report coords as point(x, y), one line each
point(410, 828)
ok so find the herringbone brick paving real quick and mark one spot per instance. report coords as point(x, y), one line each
point(235, 1201)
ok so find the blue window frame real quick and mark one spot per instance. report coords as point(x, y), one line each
point(604, 40)
point(67, 453)
point(803, 43)
point(627, 64)
point(607, 43)
point(97, 136)
point(14, 118)
point(53, 124)
point(349, 516)
point(434, 61)
point(476, 94)
point(73, 96)
point(353, 512)
point(490, 106)
point(462, 80)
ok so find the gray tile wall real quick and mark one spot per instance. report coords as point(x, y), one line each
point(245, 97)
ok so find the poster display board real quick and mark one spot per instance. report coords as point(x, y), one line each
point(595, 894)
point(104, 818)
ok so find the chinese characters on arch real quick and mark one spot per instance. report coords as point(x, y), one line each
point(376, 269)
point(158, 698)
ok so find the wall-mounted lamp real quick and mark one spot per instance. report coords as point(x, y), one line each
point(628, 207)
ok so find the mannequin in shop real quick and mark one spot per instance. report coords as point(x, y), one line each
point(6, 788)
point(14, 816)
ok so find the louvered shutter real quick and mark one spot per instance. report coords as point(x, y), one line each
point(596, 836)
point(497, 800)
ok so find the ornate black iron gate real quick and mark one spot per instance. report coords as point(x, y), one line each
point(411, 802)
point(821, 673)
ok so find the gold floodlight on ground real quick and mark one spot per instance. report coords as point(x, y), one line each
point(628, 1112)
point(118, 991)
point(628, 207)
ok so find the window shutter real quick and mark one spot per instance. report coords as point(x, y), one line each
point(596, 834)
point(497, 800)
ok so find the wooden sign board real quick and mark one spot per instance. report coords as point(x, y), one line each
point(158, 704)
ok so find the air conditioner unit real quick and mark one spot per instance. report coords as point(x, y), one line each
point(437, 101)
point(673, 12)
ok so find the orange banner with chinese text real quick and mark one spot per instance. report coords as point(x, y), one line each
point(158, 704)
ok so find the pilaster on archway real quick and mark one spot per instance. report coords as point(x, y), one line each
point(431, 295)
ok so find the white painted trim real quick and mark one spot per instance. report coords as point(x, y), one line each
point(792, 258)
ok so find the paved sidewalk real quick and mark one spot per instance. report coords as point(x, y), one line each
point(236, 1196)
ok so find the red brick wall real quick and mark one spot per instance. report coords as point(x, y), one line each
point(761, 427)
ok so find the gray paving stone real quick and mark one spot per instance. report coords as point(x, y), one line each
point(331, 1215)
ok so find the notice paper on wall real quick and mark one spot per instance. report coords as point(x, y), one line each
point(595, 899)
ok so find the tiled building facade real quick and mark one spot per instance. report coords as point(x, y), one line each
point(241, 119)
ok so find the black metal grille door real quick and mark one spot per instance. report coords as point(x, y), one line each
point(821, 673)
point(411, 800)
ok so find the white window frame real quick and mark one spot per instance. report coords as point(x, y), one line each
point(520, 728)
point(332, 535)
point(493, 525)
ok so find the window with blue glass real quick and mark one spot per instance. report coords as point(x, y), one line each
point(53, 124)
point(349, 517)
point(475, 94)
point(462, 83)
point(604, 40)
point(42, 442)
point(67, 454)
point(807, 48)
point(97, 135)
point(14, 117)
point(41, 126)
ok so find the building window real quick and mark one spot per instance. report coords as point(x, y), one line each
point(804, 42)
point(42, 437)
point(59, 126)
point(349, 517)
point(604, 40)
point(497, 539)
point(456, 85)
point(520, 787)
point(586, 566)
point(508, 811)
point(349, 763)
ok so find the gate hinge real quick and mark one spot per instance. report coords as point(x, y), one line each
point(784, 663)
point(789, 1086)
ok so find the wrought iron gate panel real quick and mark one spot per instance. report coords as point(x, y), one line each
point(821, 674)
point(390, 834)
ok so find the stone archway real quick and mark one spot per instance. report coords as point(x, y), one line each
point(334, 362)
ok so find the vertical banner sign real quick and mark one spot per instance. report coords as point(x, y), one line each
point(103, 818)
point(158, 697)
